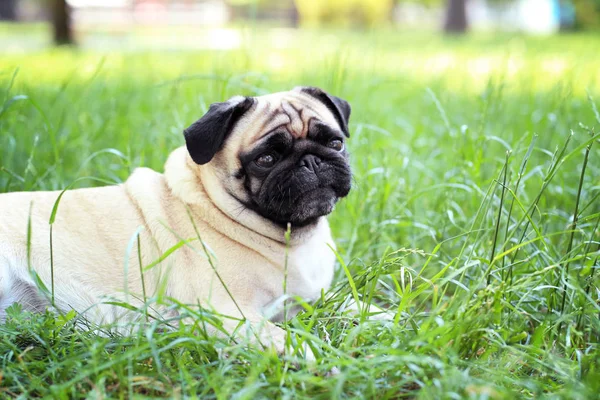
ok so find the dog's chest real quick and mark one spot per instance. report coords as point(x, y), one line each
point(310, 269)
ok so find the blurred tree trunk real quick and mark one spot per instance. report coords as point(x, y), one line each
point(294, 16)
point(61, 22)
point(456, 16)
point(8, 10)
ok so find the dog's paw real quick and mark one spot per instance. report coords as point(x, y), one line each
point(372, 311)
point(302, 352)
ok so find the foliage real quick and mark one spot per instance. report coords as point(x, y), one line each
point(492, 284)
point(587, 14)
point(345, 12)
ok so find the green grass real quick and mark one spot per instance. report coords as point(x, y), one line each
point(475, 250)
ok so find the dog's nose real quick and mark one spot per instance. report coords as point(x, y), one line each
point(310, 162)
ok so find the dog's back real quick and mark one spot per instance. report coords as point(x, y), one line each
point(78, 252)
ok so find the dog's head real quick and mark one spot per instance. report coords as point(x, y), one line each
point(282, 155)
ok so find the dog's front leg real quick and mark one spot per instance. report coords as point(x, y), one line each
point(247, 326)
point(257, 330)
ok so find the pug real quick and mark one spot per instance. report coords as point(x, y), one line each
point(210, 231)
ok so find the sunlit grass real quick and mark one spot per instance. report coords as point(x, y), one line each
point(466, 246)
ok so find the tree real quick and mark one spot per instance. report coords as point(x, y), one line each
point(61, 22)
point(456, 16)
point(8, 10)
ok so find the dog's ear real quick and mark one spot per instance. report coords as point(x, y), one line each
point(205, 137)
point(339, 107)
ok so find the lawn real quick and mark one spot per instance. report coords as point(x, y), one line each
point(471, 157)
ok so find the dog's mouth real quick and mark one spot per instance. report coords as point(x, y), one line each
point(303, 210)
point(299, 212)
point(313, 205)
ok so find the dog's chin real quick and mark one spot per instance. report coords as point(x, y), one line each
point(305, 210)
point(313, 205)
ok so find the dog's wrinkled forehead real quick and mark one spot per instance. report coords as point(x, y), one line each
point(240, 122)
point(292, 111)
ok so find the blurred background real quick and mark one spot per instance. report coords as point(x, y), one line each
point(125, 23)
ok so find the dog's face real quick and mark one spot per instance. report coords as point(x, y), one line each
point(282, 156)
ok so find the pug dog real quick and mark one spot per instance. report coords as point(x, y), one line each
point(210, 231)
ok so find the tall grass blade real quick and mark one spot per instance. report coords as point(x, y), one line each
point(512, 203)
point(574, 227)
point(500, 208)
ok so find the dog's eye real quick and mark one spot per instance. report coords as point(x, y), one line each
point(336, 144)
point(266, 160)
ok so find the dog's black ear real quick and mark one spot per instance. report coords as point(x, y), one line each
point(205, 137)
point(339, 107)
